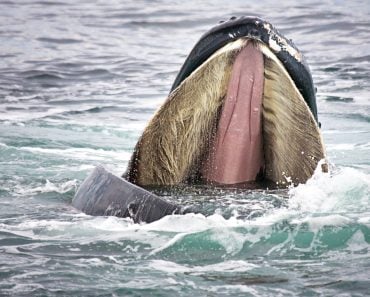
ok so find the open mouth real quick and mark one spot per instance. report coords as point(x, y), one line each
point(237, 118)
point(236, 153)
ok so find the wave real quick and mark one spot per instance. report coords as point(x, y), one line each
point(48, 187)
point(59, 40)
point(331, 212)
point(80, 153)
point(41, 75)
point(69, 74)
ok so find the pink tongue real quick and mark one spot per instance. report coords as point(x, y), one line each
point(236, 155)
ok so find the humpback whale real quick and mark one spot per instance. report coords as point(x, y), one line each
point(241, 112)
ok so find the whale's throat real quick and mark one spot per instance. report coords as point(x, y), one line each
point(236, 152)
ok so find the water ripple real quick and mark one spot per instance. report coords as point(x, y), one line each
point(78, 83)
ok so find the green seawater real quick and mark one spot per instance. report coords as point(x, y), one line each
point(78, 83)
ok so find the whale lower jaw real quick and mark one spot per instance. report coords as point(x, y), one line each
point(180, 141)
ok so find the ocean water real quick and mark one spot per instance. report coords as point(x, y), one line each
point(78, 82)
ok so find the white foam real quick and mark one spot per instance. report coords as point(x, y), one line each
point(191, 223)
point(357, 242)
point(231, 241)
point(341, 147)
point(229, 290)
point(96, 262)
point(61, 188)
point(169, 243)
point(78, 227)
point(316, 223)
point(227, 266)
point(82, 153)
point(345, 190)
point(365, 220)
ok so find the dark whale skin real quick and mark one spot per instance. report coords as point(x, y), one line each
point(258, 29)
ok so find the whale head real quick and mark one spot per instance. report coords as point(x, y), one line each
point(242, 110)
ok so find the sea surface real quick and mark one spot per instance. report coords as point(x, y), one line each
point(79, 80)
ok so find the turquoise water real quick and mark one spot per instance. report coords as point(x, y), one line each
point(78, 83)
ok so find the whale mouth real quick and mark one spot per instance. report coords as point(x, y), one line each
point(237, 118)
point(236, 152)
point(241, 113)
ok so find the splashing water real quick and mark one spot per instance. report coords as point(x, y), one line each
point(78, 83)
